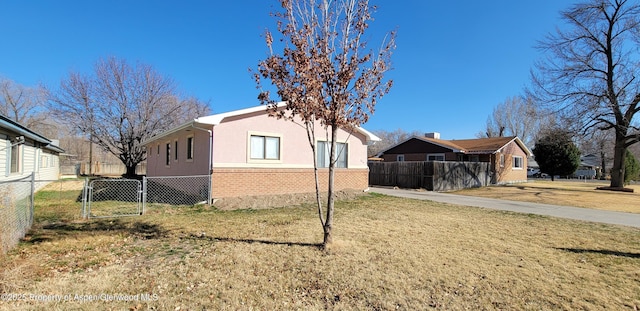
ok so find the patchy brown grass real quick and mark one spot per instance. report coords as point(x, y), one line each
point(567, 193)
point(390, 253)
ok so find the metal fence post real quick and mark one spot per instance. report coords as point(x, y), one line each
point(144, 194)
point(33, 191)
point(85, 191)
point(210, 199)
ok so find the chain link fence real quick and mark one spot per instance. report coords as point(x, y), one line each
point(130, 197)
point(16, 210)
point(113, 198)
point(58, 200)
point(27, 200)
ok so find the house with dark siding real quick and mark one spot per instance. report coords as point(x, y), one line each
point(507, 155)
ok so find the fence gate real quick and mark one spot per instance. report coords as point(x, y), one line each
point(113, 198)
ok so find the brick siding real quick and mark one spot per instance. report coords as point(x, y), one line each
point(253, 182)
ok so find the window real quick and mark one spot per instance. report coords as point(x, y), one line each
point(175, 151)
point(190, 148)
point(158, 149)
point(400, 158)
point(15, 158)
point(168, 154)
point(517, 162)
point(435, 157)
point(44, 161)
point(323, 153)
point(264, 147)
point(502, 160)
point(474, 158)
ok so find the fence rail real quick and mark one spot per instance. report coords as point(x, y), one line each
point(430, 175)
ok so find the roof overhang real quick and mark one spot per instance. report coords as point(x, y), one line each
point(216, 119)
point(20, 130)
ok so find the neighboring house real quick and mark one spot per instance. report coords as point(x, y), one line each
point(23, 152)
point(250, 153)
point(589, 167)
point(507, 155)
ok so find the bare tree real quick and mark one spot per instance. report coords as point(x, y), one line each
point(120, 105)
point(590, 74)
point(517, 116)
point(22, 104)
point(325, 75)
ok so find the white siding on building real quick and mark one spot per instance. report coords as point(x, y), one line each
point(5, 150)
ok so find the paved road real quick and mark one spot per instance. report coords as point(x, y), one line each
point(577, 213)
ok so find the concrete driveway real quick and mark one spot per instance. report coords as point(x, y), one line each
point(577, 213)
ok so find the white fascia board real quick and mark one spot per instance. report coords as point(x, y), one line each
point(211, 120)
point(370, 136)
point(216, 119)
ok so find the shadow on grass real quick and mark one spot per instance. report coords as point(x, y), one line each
point(255, 241)
point(60, 230)
point(599, 251)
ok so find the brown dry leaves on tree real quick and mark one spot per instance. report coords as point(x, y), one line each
point(325, 73)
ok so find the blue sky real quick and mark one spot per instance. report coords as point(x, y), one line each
point(455, 60)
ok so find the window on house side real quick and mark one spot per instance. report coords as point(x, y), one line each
point(324, 148)
point(168, 155)
point(265, 147)
point(435, 157)
point(189, 148)
point(517, 162)
point(175, 151)
point(502, 160)
point(400, 158)
point(15, 158)
point(44, 161)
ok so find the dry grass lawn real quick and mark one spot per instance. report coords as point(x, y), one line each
point(568, 193)
point(389, 254)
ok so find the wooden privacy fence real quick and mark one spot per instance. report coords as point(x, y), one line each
point(99, 168)
point(430, 175)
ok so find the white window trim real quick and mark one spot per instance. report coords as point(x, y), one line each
point(7, 168)
point(19, 161)
point(502, 160)
point(265, 134)
point(400, 158)
point(436, 155)
point(513, 163)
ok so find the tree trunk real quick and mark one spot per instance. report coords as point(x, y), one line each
point(617, 171)
point(603, 170)
point(131, 171)
point(328, 225)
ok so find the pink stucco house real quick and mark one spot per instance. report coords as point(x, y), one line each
point(251, 154)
